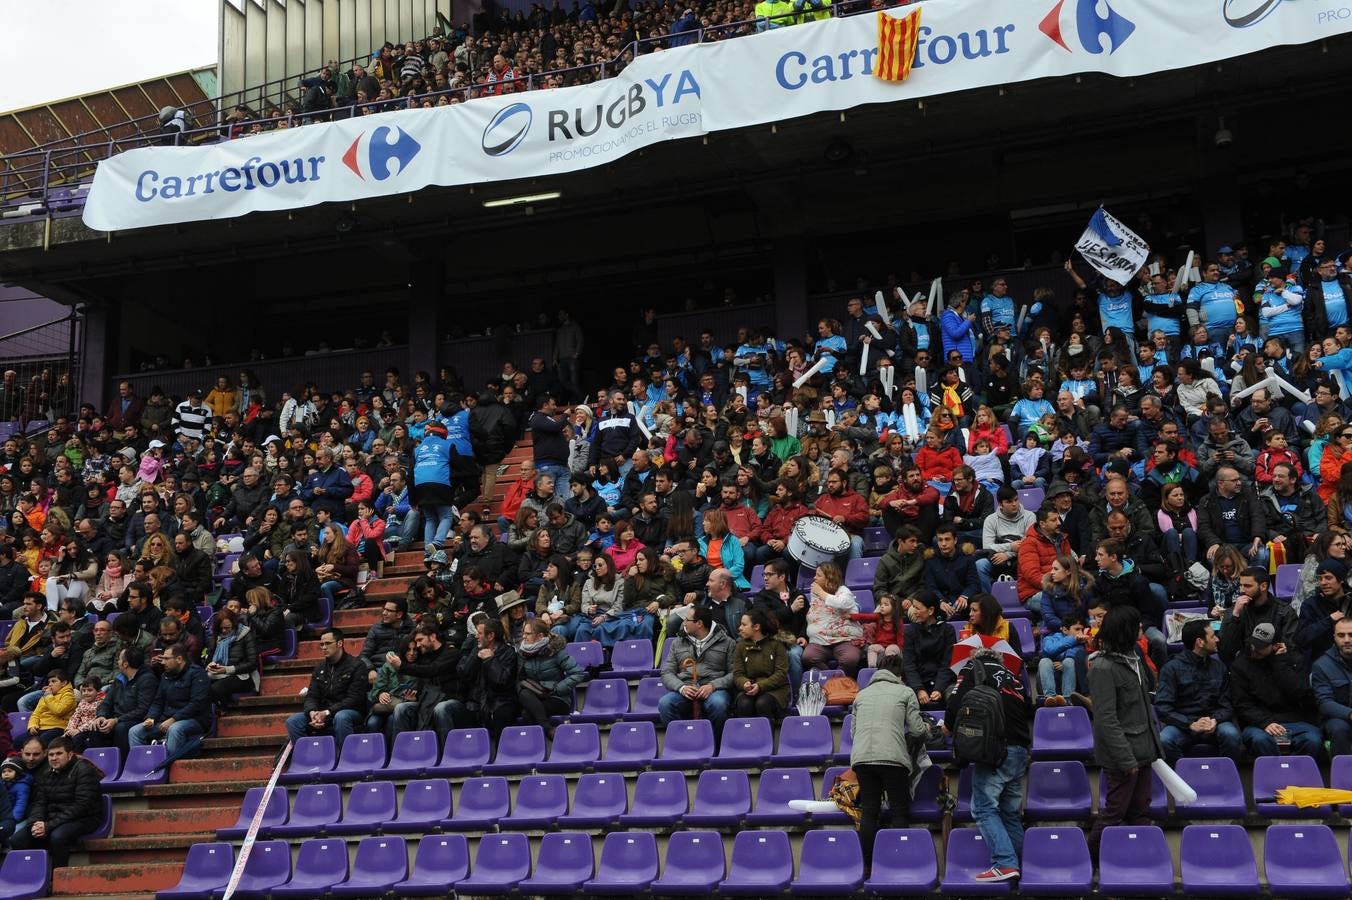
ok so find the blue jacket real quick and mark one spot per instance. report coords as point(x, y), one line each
point(957, 333)
point(1059, 646)
point(337, 489)
point(18, 793)
point(733, 558)
point(183, 696)
point(1107, 440)
point(1331, 679)
point(457, 433)
point(953, 577)
point(432, 461)
point(1192, 687)
point(1055, 605)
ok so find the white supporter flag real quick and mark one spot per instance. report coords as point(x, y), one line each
point(1112, 248)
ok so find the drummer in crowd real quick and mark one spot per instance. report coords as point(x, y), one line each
point(847, 508)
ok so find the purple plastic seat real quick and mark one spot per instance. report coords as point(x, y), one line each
point(380, 863)
point(865, 676)
point(274, 815)
point(630, 746)
point(925, 802)
point(859, 573)
point(632, 657)
point(757, 579)
point(774, 790)
point(482, 802)
point(1272, 773)
point(650, 693)
point(1058, 790)
point(721, 799)
point(805, 575)
point(586, 654)
point(502, 861)
point(540, 800)
point(830, 864)
point(206, 870)
point(746, 742)
point(1024, 629)
point(565, 861)
point(576, 748)
point(1303, 861)
point(1340, 777)
point(317, 807)
point(689, 744)
point(108, 759)
point(140, 769)
point(804, 741)
point(441, 861)
point(1055, 863)
point(1062, 732)
point(466, 752)
point(361, 756)
point(904, 863)
point(967, 855)
point(607, 699)
point(846, 738)
point(694, 865)
point(268, 865)
point(660, 798)
point(1217, 861)
point(1216, 781)
point(105, 827)
point(325, 616)
point(1031, 497)
point(830, 818)
point(519, 749)
point(1134, 861)
point(628, 864)
point(864, 597)
point(820, 676)
point(599, 799)
point(876, 539)
point(425, 804)
point(1007, 592)
point(1159, 797)
point(367, 806)
point(1288, 579)
point(414, 753)
point(311, 759)
point(762, 863)
point(320, 865)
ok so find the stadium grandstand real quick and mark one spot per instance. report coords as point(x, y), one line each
point(519, 497)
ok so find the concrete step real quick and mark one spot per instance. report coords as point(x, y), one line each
point(409, 558)
point(309, 650)
point(283, 666)
point(181, 794)
point(362, 617)
point(289, 702)
point(188, 820)
point(289, 682)
point(202, 770)
point(107, 879)
point(382, 589)
point(218, 747)
point(252, 725)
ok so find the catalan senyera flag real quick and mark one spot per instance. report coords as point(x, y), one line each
point(897, 40)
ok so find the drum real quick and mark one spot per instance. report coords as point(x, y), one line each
point(816, 540)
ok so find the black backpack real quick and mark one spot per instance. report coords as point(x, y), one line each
point(979, 726)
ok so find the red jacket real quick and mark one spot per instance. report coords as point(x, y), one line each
point(779, 521)
point(938, 465)
point(928, 496)
point(850, 505)
point(515, 494)
point(877, 631)
point(1036, 555)
point(742, 520)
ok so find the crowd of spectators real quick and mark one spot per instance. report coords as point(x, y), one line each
point(1162, 447)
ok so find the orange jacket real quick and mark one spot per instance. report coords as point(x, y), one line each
point(1036, 555)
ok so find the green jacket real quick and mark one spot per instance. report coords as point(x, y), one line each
point(765, 662)
point(899, 575)
point(886, 711)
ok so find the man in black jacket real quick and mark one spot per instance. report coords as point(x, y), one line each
point(1274, 706)
point(435, 671)
point(491, 432)
point(181, 710)
point(1231, 514)
point(489, 555)
point(14, 579)
point(617, 434)
point(487, 676)
point(548, 426)
point(66, 804)
point(1254, 605)
point(336, 700)
point(1120, 584)
point(193, 568)
point(125, 704)
point(390, 635)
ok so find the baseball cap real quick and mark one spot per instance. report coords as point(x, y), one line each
point(1225, 248)
point(1263, 636)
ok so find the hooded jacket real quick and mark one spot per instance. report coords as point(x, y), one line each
point(713, 658)
point(1000, 530)
point(553, 667)
point(1131, 588)
point(1331, 681)
point(1036, 555)
point(1124, 734)
point(898, 574)
point(765, 662)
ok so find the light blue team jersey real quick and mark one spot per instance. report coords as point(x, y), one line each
point(1116, 312)
point(922, 335)
point(1289, 300)
point(1335, 303)
point(1163, 323)
point(1217, 302)
point(759, 376)
point(1000, 309)
point(1079, 389)
point(830, 348)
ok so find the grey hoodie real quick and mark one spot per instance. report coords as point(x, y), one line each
point(1000, 530)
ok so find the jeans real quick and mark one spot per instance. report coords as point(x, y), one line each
point(58, 841)
point(997, 798)
point(714, 708)
point(987, 571)
point(1306, 740)
point(1259, 557)
point(1339, 732)
point(405, 718)
point(1295, 340)
point(1185, 544)
point(29, 702)
point(795, 671)
point(56, 591)
point(178, 736)
point(340, 725)
point(568, 628)
point(1047, 677)
point(561, 475)
point(437, 522)
point(1177, 741)
point(330, 590)
point(1219, 334)
point(1157, 645)
point(407, 530)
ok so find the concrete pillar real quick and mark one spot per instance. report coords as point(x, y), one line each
point(426, 287)
point(790, 289)
point(94, 349)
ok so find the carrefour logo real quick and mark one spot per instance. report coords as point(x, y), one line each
point(380, 150)
point(1088, 27)
point(507, 129)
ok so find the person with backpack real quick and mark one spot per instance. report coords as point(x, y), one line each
point(989, 717)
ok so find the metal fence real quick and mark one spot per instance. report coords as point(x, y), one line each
point(45, 360)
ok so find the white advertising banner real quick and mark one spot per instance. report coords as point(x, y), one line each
point(688, 92)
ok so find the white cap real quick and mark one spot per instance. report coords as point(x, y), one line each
point(156, 444)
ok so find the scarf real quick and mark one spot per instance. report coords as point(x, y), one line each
point(952, 401)
point(531, 648)
point(221, 655)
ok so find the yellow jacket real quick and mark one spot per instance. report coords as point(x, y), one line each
point(221, 402)
point(53, 710)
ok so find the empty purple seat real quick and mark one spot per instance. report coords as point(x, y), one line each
point(1273, 773)
point(846, 737)
point(757, 579)
point(466, 752)
point(140, 769)
point(1340, 777)
point(859, 573)
point(649, 694)
point(274, 815)
point(1023, 627)
point(1055, 863)
point(830, 864)
point(1007, 592)
point(689, 744)
point(361, 756)
point(207, 869)
point(1303, 861)
point(804, 741)
point(576, 748)
point(1062, 732)
point(268, 865)
point(607, 699)
point(773, 793)
point(904, 863)
point(105, 827)
point(1134, 861)
point(762, 863)
point(721, 799)
point(1031, 497)
point(519, 749)
point(565, 861)
point(380, 863)
point(1217, 861)
point(320, 865)
point(864, 598)
point(414, 753)
point(367, 806)
point(586, 654)
point(630, 746)
point(694, 865)
point(925, 801)
point(1288, 579)
point(746, 742)
point(425, 804)
point(632, 657)
point(1058, 790)
point(1216, 781)
point(108, 760)
point(311, 759)
point(317, 807)
point(628, 864)
point(876, 539)
point(805, 575)
point(1159, 797)
point(865, 676)
point(441, 861)
point(967, 855)
point(503, 860)
point(540, 800)
point(482, 802)
point(660, 798)
point(599, 799)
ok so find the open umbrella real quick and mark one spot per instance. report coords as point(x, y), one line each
point(963, 650)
